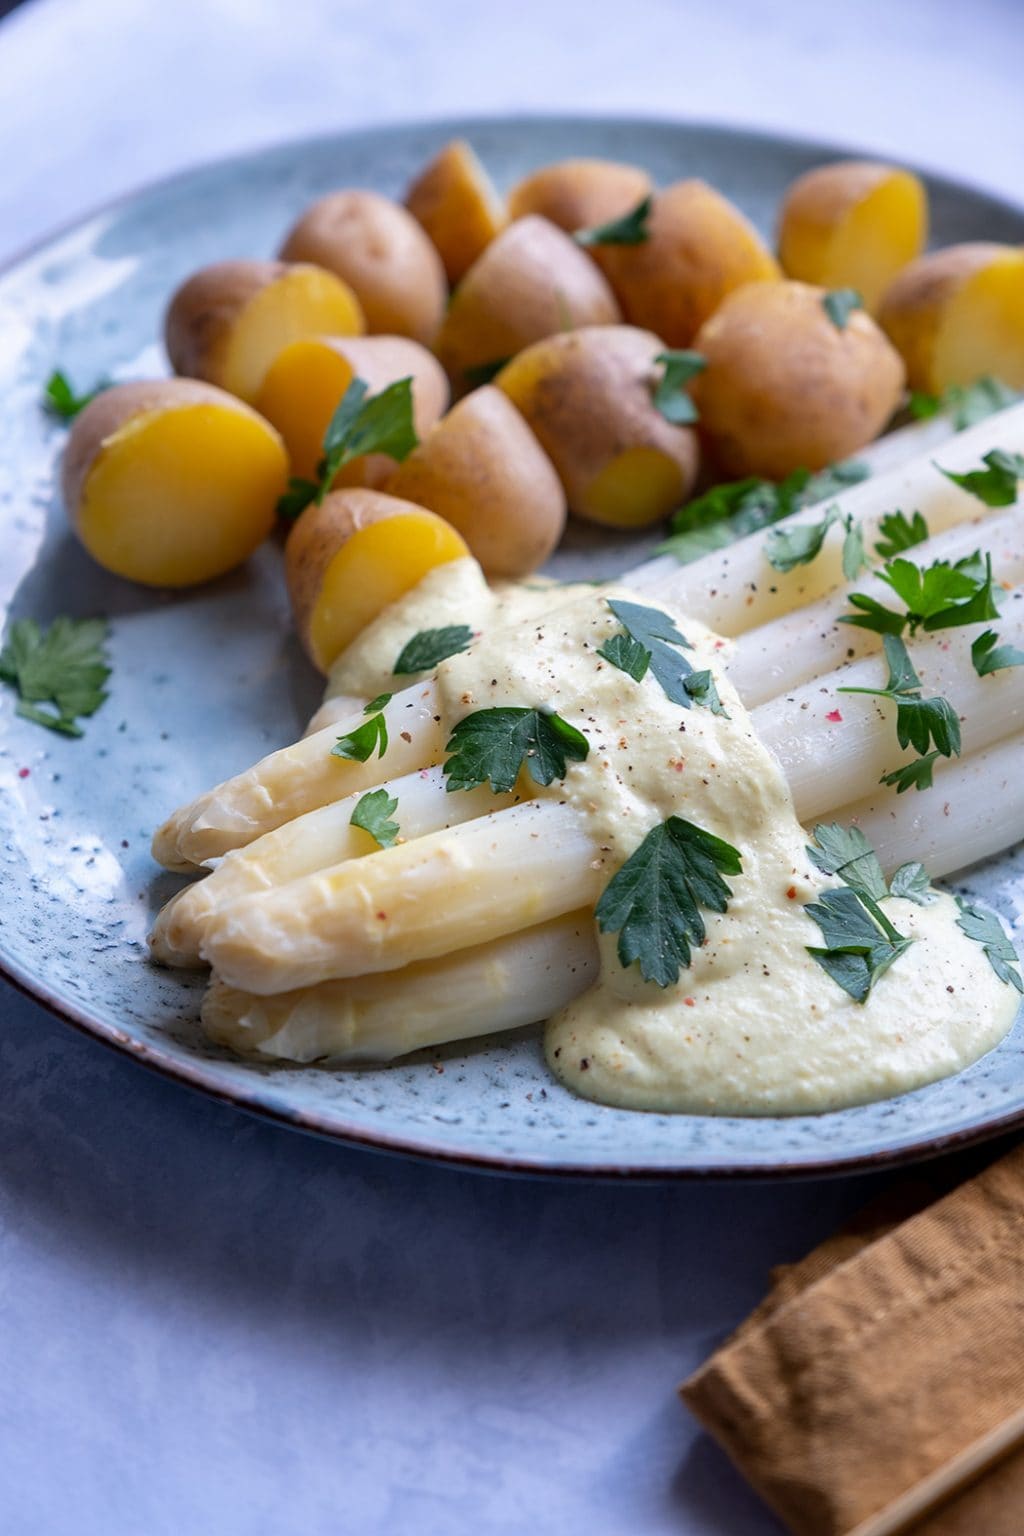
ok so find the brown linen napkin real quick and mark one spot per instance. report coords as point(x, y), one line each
point(876, 1359)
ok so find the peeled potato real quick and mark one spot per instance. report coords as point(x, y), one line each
point(171, 483)
point(699, 248)
point(853, 224)
point(483, 471)
point(587, 395)
point(785, 388)
point(578, 194)
point(958, 314)
point(306, 381)
point(530, 282)
point(458, 207)
point(377, 247)
point(226, 323)
point(346, 560)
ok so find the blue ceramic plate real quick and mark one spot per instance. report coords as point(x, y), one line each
point(207, 681)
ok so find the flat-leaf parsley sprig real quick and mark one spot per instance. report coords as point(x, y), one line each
point(373, 812)
point(998, 483)
point(372, 736)
point(921, 722)
point(937, 596)
point(382, 423)
point(786, 548)
point(986, 929)
point(655, 637)
point(492, 745)
point(630, 229)
point(429, 647)
point(65, 666)
point(860, 941)
point(61, 399)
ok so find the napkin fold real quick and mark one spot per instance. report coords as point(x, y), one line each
point(876, 1359)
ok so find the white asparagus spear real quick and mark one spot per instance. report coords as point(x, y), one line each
point(800, 645)
point(518, 979)
point(498, 986)
point(310, 842)
point(735, 588)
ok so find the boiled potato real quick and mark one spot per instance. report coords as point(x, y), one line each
point(587, 394)
point(699, 248)
point(578, 194)
point(483, 471)
point(347, 559)
point(377, 247)
point(306, 381)
point(785, 387)
point(958, 314)
point(227, 322)
point(853, 224)
point(171, 483)
point(530, 282)
point(455, 202)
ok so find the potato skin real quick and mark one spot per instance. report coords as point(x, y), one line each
point(203, 310)
point(912, 306)
point(483, 471)
point(587, 395)
point(699, 248)
point(784, 388)
point(454, 201)
point(529, 283)
point(578, 194)
point(377, 247)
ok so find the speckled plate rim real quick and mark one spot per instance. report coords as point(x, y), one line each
point(255, 1101)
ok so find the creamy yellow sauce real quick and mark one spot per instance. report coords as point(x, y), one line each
point(754, 1025)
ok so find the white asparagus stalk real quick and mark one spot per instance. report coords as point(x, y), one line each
point(517, 980)
point(735, 588)
point(800, 645)
point(498, 986)
point(310, 842)
point(536, 861)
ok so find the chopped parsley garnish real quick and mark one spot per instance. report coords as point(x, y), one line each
point(914, 775)
point(996, 485)
point(493, 744)
point(381, 424)
point(655, 632)
point(967, 403)
point(786, 548)
point(653, 902)
point(702, 690)
point(482, 373)
point(920, 722)
point(912, 883)
point(937, 596)
point(370, 737)
point(630, 229)
point(986, 929)
point(839, 304)
point(65, 666)
point(627, 654)
point(429, 647)
point(372, 813)
point(731, 511)
point(846, 853)
point(987, 655)
point(670, 397)
point(860, 942)
point(60, 399)
point(898, 532)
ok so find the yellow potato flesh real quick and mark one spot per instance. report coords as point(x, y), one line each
point(374, 567)
point(177, 497)
point(639, 487)
point(299, 395)
point(860, 244)
point(302, 302)
point(982, 330)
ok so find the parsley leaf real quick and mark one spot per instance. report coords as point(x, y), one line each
point(359, 745)
point(912, 883)
point(786, 548)
point(937, 596)
point(967, 403)
point(846, 852)
point(920, 721)
point(670, 397)
point(995, 485)
point(429, 647)
point(987, 655)
point(631, 229)
point(482, 373)
point(729, 512)
point(986, 930)
point(898, 532)
point(656, 632)
point(839, 304)
point(627, 654)
point(65, 665)
point(914, 775)
point(383, 423)
point(923, 406)
point(702, 690)
point(372, 813)
point(60, 399)
point(653, 902)
point(493, 744)
point(860, 942)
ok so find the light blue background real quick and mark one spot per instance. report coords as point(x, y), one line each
point(211, 1326)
